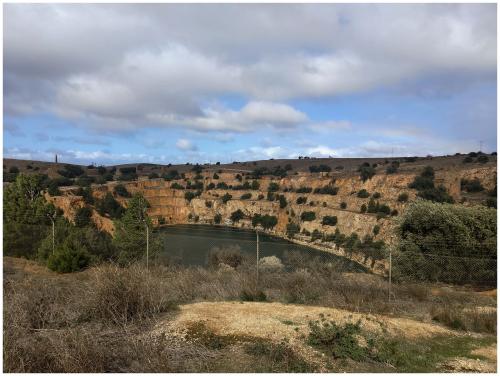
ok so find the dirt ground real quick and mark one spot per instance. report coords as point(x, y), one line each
point(276, 321)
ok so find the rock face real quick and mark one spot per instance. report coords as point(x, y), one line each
point(169, 205)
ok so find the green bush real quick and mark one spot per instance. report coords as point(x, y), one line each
point(83, 217)
point(222, 185)
point(376, 195)
point(447, 243)
point(176, 185)
point(109, 206)
point(308, 216)
point(363, 194)
point(283, 202)
point(320, 168)
point(482, 159)
point(121, 191)
point(69, 257)
point(266, 221)
point(363, 208)
point(217, 218)
point(301, 200)
point(292, 229)
point(189, 195)
point(343, 205)
point(424, 184)
point(403, 197)
point(376, 229)
point(471, 186)
point(304, 190)
point(246, 196)
point(341, 342)
point(366, 171)
point(273, 187)
point(328, 190)
point(329, 220)
point(226, 198)
point(237, 215)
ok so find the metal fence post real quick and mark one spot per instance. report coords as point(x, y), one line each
point(257, 233)
point(390, 272)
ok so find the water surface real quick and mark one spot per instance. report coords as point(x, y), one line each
point(191, 245)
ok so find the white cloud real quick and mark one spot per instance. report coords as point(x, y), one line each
point(123, 67)
point(186, 145)
point(321, 151)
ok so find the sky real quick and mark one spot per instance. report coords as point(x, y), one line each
point(177, 83)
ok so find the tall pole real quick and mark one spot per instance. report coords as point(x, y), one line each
point(257, 232)
point(147, 245)
point(390, 272)
point(52, 218)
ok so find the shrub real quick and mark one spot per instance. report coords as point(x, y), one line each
point(260, 197)
point(304, 190)
point(468, 160)
point(308, 216)
point(84, 180)
point(215, 177)
point(53, 189)
point(283, 202)
point(14, 170)
point(376, 195)
point(329, 220)
point(217, 218)
point(273, 187)
point(189, 195)
point(471, 186)
point(121, 191)
point(226, 198)
point(176, 185)
point(363, 194)
point(231, 256)
point(424, 184)
point(128, 176)
point(403, 197)
point(83, 217)
point(376, 230)
point(320, 168)
point(222, 185)
point(255, 185)
point(328, 190)
point(366, 172)
point(363, 208)
point(71, 171)
point(338, 341)
point(491, 202)
point(266, 221)
point(292, 229)
point(343, 205)
point(237, 215)
point(246, 196)
point(482, 159)
point(109, 206)
point(392, 168)
point(301, 200)
point(435, 229)
point(69, 257)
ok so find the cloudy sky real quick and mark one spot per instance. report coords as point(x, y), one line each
point(205, 83)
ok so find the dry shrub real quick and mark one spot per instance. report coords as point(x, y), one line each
point(477, 319)
point(40, 304)
point(120, 295)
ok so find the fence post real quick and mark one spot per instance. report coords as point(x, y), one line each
point(257, 233)
point(390, 272)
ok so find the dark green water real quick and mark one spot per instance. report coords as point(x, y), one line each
point(191, 245)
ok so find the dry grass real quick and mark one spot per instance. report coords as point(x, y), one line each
point(101, 320)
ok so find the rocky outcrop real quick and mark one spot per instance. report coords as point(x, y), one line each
point(169, 204)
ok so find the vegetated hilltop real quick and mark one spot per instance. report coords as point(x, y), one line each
point(316, 201)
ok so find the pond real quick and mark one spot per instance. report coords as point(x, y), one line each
point(192, 244)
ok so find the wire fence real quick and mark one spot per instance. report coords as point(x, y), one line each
point(222, 246)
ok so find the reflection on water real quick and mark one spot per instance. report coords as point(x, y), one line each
point(191, 245)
